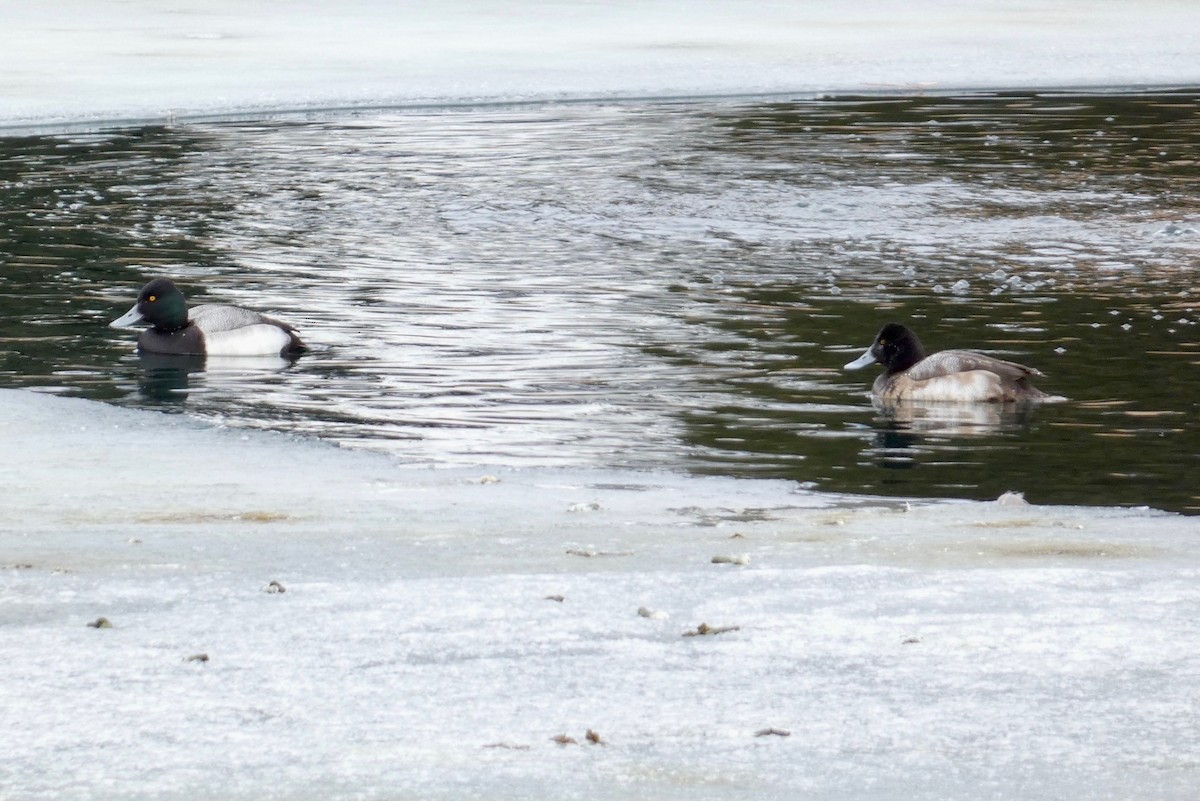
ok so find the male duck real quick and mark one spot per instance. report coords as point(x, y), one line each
point(204, 330)
point(951, 375)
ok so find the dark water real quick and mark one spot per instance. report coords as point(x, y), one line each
point(657, 286)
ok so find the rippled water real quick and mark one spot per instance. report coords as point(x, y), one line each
point(669, 285)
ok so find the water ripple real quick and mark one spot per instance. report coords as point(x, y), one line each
point(650, 285)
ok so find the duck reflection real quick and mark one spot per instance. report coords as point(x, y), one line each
point(169, 378)
point(904, 428)
point(953, 419)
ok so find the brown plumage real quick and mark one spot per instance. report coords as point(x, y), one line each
point(951, 375)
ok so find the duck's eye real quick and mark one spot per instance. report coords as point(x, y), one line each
point(881, 342)
point(152, 298)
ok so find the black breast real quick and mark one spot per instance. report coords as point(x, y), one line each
point(185, 341)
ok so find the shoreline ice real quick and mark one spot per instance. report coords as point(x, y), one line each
point(438, 628)
point(103, 64)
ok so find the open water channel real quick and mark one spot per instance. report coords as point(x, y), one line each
point(651, 285)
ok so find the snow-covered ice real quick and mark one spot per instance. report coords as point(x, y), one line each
point(75, 61)
point(438, 628)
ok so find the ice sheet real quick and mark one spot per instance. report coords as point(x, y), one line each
point(92, 60)
point(439, 628)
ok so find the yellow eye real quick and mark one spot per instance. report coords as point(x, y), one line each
point(881, 342)
point(152, 298)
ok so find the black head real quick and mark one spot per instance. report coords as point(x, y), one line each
point(897, 348)
point(162, 305)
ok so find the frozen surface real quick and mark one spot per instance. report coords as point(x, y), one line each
point(93, 60)
point(940, 650)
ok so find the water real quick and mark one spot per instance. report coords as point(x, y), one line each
point(657, 285)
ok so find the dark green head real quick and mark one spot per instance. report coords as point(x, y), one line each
point(161, 304)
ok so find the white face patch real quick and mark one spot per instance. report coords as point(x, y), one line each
point(251, 340)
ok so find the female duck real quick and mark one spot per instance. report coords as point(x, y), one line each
point(951, 375)
point(204, 330)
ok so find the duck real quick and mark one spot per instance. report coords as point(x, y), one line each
point(207, 330)
point(949, 375)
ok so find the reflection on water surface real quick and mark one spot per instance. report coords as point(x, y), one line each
point(658, 286)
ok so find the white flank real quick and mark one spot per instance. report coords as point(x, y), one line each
point(250, 340)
